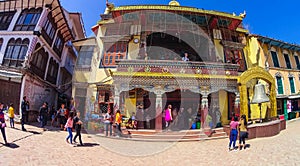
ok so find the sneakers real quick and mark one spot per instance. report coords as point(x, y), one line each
point(67, 141)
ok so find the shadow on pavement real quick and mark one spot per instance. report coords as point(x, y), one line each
point(247, 146)
point(11, 145)
point(88, 145)
point(34, 132)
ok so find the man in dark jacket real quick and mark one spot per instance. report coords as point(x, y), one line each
point(43, 114)
point(24, 109)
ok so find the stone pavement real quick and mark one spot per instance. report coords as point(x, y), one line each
point(38, 147)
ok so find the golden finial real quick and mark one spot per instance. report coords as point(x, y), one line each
point(109, 7)
point(243, 15)
point(174, 3)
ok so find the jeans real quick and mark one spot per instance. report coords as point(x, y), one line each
point(23, 121)
point(108, 125)
point(118, 129)
point(43, 121)
point(69, 129)
point(79, 135)
point(242, 137)
point(3, 134)
point(12, 122)
point(233, 137)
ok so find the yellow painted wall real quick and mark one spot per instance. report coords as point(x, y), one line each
point(223, 104)
point(130, 106)
point(219, 49)
point(133, 48)
point(285, 80)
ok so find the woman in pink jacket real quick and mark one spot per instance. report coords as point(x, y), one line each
point(69, 126)
point(168, 115)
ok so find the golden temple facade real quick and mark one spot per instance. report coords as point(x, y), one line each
point(146, 57)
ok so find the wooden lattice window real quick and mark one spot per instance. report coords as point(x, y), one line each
point(28, 19)
point(114, 52)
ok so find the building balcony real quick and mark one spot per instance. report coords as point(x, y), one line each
point(177, 67)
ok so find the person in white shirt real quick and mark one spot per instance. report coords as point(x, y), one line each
point(185, 58)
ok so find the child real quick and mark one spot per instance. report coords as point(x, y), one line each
point(69, 126)
point(11, 115)
point(78, 124)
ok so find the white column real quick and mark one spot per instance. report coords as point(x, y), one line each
point(116, 99)
point(158, 106)
point(237, 103)
point(22, 93)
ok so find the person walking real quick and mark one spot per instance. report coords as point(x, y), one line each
point(69, 126)
point(168, 115)
point(243, 131)
point(25, 111)
point(43, 115)
point(78, 124)
point(62, 117)
point(2, 124)
point(118, 122)
point(233, 132)
point(11, 115)
point(108, 123)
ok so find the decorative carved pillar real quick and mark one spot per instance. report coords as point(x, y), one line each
point(204, 101)
point(243, 100)
point(237, 103)
point(204, 110)
point(158, 106)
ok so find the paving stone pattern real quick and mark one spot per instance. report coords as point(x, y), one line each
point(38, 147)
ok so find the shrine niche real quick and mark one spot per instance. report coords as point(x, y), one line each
point(257, 73)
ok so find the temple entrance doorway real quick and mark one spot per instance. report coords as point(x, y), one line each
point(185, 108)
point(140, 103)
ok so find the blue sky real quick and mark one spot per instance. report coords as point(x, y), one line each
point(279, 19)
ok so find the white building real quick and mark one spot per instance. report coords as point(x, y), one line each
point(36, 55)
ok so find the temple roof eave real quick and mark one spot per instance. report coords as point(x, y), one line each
point(277, 43)
point(175, 8)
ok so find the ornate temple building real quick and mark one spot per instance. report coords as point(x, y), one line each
point(146, 57)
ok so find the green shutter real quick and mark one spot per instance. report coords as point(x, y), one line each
point(292, 85)
point(279, 85)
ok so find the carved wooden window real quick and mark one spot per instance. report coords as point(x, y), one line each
point(235, 57)
point(39, 61)
point(49, 29)
point(52, 71)
point(114, 52)
point(5, 19)
point(15, 52)
point(28, 19)
point(58, 45)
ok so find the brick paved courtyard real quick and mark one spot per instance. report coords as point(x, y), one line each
point(37, 147)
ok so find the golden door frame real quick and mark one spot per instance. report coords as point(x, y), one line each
point(256, 73)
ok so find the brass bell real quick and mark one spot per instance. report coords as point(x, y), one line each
point(259, 94)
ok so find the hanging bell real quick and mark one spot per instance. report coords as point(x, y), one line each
point(259, 94)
